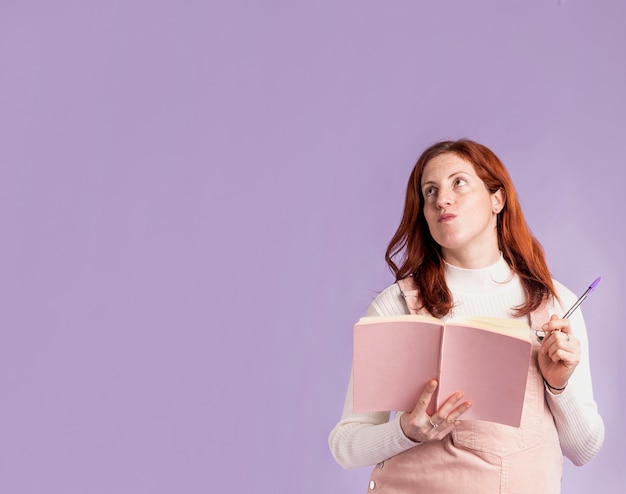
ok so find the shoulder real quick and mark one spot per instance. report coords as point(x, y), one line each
point(389, 302)
point(566, 299)
point(565, 296)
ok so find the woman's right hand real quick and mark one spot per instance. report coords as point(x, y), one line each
point(420, 427)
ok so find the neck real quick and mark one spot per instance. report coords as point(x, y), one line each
point(472, 260)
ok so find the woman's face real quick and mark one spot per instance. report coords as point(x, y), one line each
point(461, 213)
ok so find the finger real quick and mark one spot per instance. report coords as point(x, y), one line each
point(556, 338)
point(559, 353)
point(442, 423)
point(564, 326)
point(425, 397)
point(556, 325)
point(450, 404)
point(551, 344)
point(451, 409)
point(453, 416)
point(553, 349)
point(441, 415)
point(560, 339)
point(549, 326)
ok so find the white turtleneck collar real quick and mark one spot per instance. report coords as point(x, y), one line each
point(481, 279)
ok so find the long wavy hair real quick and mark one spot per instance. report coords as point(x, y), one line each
point(420, 256)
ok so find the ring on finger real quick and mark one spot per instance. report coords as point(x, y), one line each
point(435, 426)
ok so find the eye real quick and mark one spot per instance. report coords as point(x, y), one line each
point(459, 182)
point(429, 191)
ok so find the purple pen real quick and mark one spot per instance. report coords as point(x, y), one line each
point(582, 297)
point(542, 334)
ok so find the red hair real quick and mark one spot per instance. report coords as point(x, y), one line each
point(421, 256)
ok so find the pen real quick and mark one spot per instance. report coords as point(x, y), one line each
point(582, 297)
point(575, 306)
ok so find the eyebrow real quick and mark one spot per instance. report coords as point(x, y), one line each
point(430, 182)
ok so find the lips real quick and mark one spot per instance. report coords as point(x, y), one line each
point(444, 218)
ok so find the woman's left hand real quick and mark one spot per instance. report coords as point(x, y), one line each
point(559, 353)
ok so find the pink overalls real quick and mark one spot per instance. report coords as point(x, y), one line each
point(482, 457)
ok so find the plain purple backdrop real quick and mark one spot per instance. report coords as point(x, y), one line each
point(195, 200)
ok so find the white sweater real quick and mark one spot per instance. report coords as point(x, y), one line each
point(361, 439)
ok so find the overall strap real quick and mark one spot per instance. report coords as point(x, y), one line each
point(539, 316)
point(408, 288)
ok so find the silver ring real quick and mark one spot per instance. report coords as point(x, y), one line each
point(435, 426)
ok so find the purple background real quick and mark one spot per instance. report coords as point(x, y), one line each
point(195, 200)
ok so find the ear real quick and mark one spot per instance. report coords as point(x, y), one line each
point(498, 199)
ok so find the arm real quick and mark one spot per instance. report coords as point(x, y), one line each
point(579, 425)
point(361, 439)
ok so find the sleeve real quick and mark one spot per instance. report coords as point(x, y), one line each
point(579, 424)
point(362, 439)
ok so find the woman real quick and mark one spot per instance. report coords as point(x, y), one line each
point(466, 250)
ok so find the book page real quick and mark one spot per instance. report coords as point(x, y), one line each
point(401, 318)
point(392, 361)
point(512, 327)
point(491, 369)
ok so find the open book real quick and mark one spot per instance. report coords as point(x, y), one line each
point(485, 358)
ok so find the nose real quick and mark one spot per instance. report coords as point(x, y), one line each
point(444, 198)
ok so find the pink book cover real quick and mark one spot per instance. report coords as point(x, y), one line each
point(393, 358)
point(491, 370)
point(392, 361)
